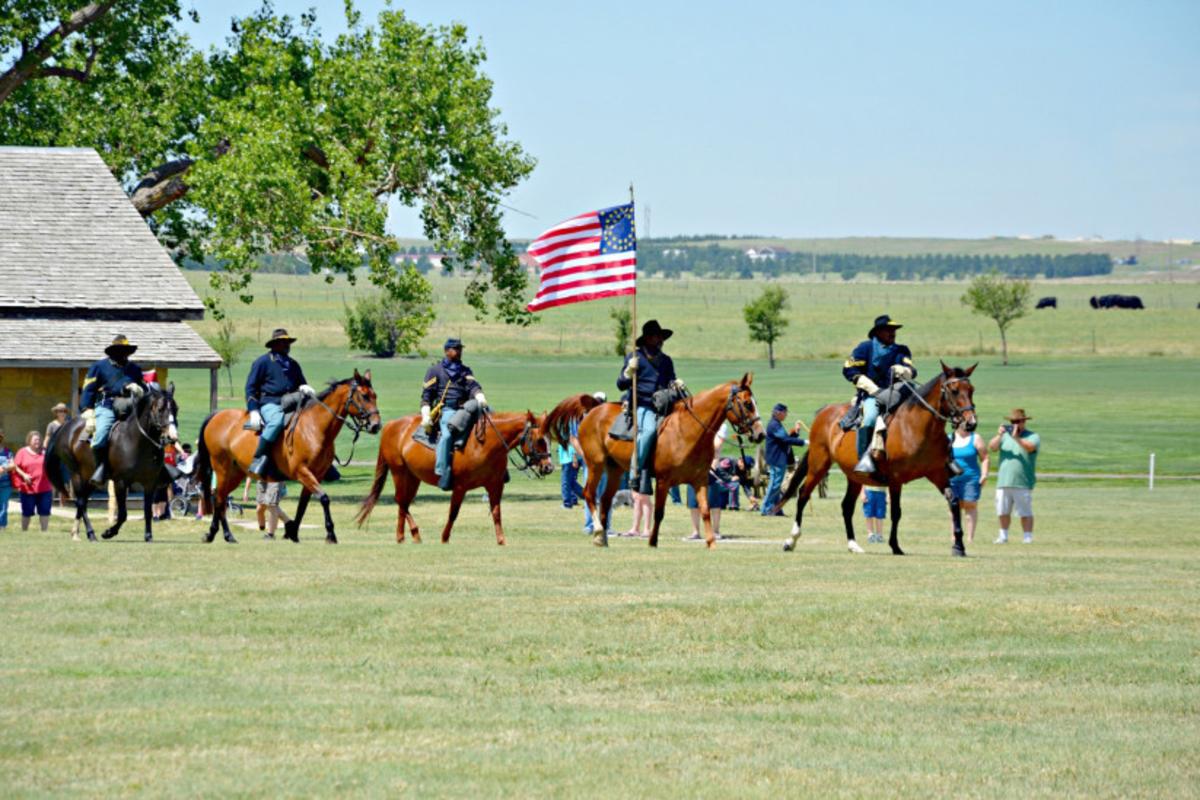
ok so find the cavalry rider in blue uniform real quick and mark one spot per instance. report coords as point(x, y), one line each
point(873, 366)
point(448, 384)
point(272, 375)
point(654, 370)
point(108, 379)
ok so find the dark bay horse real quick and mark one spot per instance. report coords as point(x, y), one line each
point(682, 454)
point(135, 456)
point(917, 447)
point(481, 463)
point(303, 453)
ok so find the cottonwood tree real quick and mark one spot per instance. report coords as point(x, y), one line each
point(277, 141)
point(1005, 300)
point(765, 318)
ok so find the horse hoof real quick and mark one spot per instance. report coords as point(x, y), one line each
point(789, 546)
point(958, 552)
point(896, 551)
point(149, 538)
point(230, 540)
point(108, 534)
point(91, 536)
point(854, 547)
point(600, 540)
point(331, 539)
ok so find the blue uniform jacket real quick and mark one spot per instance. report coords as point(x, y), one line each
point(106, 379)
point(780, 444)
point(859, 363)
point(653, 373)
point(453, 378)
point(272, 375)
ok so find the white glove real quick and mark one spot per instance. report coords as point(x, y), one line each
point(479, 398)
point(256, 421)
point(901, 371)
point(308, 390)
point(89, 420)
point(679, 385)
point(631, 367)
point(867, 385)
point(426, 418)
point(134, 390)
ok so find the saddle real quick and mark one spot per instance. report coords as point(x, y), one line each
point(888, 399)
point(460, 425)
point(291, 403)
point(663, 400)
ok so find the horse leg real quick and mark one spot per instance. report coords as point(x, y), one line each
point(602, 520)
point(122, 494)
point(701, 492)
point(291, 530)
point(849, 503)
point(148, 513)
point(330, 536)
point(494, 492)
point(660, 504)
point(456, 498)
point(894, 539)
point(81, 499)
point(816, 473)
point(943, 484)
point(406, 489)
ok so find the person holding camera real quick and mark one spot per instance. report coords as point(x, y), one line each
point(1015, 476)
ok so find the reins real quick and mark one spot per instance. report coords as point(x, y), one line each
point(954, 418)
point(349, 418)
point(520, 438)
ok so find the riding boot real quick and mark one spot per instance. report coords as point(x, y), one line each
point(646, 482)
point(446, 479)
point(100, 456)
point(258, 465)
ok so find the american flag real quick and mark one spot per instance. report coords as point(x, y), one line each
point(587, 257)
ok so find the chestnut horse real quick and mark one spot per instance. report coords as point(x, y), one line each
point(303, 452)
point(682, 453)
point(482, 462)
point(916, 447)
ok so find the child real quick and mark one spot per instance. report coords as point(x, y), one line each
point(875, 511)
point(269, 495)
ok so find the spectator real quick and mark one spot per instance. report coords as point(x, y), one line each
point(1015, 476)
point(779, 455)
point(970, 453)
point(568, 465)
point(186, 460)
point(716, 493)
point(61, 415)
point(6, 469)
point(32, 483)
point(268, 511)
point(875, 512)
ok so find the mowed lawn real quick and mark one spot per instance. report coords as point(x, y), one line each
point(1067, 668)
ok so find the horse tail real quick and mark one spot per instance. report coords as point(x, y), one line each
point(558, 422)
point(368, 502)
point(793, 484)
point(53, 466)
point(203, 467)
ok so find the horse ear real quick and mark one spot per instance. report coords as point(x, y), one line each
point(530, 418)
point(171, 389)
point(970, 369)
point(945, 369)
point(747, 379)
point(367, 376)
point(357, 377)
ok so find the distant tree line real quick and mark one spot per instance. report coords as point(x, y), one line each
point(726, 262)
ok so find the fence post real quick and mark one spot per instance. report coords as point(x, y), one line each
point(1152, 472)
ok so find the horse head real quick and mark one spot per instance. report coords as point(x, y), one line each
point(741, 411)
point(957, 400)
point(534, 447)
point(362, 403)
point(157, 411)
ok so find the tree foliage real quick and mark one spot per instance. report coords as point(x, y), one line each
point(229, 346)
point(385, 326)
point(623, 329)
point(282, 142)
point(1004, 300)
point(765, 318)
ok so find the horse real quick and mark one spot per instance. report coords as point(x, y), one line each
point(482, 462)
point(304, 453)
point(916, 447)
point(135, 456)
point(682, 454)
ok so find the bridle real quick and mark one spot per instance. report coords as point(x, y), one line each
point(743, 423)
point(957, 413)
point(354, 415)
point(163, 430)
point(522, 442)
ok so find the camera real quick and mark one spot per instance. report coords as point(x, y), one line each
point(1008, 429)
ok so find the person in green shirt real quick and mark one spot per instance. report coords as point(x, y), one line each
point(1016, 475)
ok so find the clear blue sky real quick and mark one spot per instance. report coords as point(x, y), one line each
point(837, 119)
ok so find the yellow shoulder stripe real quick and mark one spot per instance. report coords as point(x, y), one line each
point(92, 379)
point(853, 363)
point(907, 360)
point(430, 382)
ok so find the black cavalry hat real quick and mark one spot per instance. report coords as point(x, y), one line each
point(652, 328)
point(883, 321)
point(453, 342)
point(121, 344)
point(279, 335)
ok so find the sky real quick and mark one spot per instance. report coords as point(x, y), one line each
point(799, 119)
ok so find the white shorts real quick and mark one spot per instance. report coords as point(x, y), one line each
point(1011, 500)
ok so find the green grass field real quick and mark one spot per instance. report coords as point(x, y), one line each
point(1065, 668)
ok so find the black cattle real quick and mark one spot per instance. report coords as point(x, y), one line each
point(1117, 301)
point(1048, 302)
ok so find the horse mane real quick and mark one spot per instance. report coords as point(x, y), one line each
point(923, 389)
point(331, 385)
point(558, 422)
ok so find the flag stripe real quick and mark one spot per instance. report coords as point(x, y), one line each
point(625, 267)
point(580, 298)
point(586, 257)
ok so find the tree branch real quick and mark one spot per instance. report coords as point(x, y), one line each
point(29, 66)
point(161, 186)
point(80, 75)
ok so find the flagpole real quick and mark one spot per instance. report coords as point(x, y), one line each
point(633, 462)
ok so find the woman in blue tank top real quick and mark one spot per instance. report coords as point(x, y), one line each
point(970, 453)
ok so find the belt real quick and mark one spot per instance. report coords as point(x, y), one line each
point(107, 402)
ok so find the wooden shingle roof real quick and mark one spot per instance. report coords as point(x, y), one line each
point(71, 243)
point(44, 342)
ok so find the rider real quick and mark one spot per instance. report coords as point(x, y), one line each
point(655, 371)
point(448, 384)
point(272, 375)
point(872, 368)
point(107, 380)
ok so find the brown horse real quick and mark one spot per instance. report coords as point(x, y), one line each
point(682, 453)
point(303, 453)
point(482, 462)
point(916, 447)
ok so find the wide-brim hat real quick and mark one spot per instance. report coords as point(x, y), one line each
point(453, 342)
point(882, 321)
point(779, 407)
point(57, 407)
point(652, 328)
point(120, 344)
point(279, 335)
point(1018, 415)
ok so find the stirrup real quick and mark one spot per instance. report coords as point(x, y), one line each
point(98, 477)
point(258, 467)
point(865, 465)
